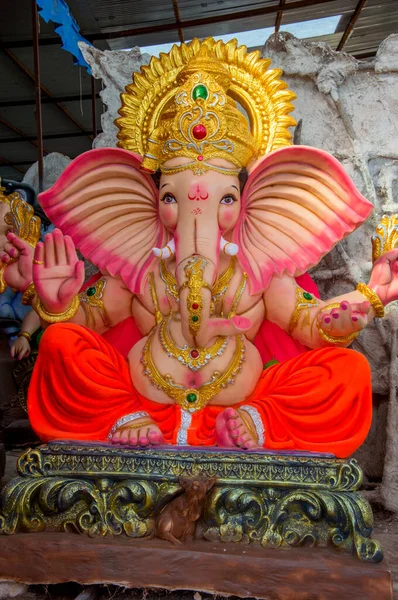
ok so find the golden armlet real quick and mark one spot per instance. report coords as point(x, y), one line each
point(60, 317)
point(373, 298)
point(334, 339)
point(26, 335)
point(29, 294)
point(304, 301)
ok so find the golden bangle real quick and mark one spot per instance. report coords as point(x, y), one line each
point(334, 339)
point(26, 335)
point(60, 317)
point(373, 298)
point(29, 294)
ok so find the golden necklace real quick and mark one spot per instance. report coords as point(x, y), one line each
point(193, 358)
point(192, 399)
point(218, 290)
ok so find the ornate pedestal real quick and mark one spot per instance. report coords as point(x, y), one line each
point(265, 499)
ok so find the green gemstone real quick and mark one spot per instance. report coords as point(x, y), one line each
point(191, 398)
point(200, 91)
point(307, 296)
point(90, 291)
point(195, 318)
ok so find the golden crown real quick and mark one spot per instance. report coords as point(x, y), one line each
point(188, 103)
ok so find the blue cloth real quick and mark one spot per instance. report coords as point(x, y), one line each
point(58, 11)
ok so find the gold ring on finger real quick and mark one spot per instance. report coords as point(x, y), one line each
point(38, 262)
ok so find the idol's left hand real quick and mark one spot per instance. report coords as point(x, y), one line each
point(384, 277)
point(345, 319)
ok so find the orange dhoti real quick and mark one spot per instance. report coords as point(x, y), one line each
point(81, 388)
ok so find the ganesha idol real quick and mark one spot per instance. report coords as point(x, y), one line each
point(202, 327)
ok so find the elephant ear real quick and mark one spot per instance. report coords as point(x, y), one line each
point(296, 205)
point(109, 208)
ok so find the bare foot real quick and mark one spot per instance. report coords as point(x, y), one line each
point(233, 432)
point(148, 434)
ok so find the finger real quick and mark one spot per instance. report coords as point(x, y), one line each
point(59, 247)
point(49, 251)
point(79, 273)
point(12, 351)
point(5, 258)
point(70, 250)
point(11, 250)
point(359, 321)
point(21, 354)
point(361, 307)
point(21, 245)
point(38, 263)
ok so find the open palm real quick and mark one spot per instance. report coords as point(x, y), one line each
point(58, 274)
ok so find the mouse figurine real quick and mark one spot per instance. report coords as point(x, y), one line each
point(177, 521)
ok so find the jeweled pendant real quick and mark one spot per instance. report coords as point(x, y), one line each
point(199, 132)
point(200, 91)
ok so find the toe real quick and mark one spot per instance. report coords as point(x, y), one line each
point(231, 413)
point(133, 438)
point(155, 437)
point(143, 436)
point(232, 424)
point(116, 438)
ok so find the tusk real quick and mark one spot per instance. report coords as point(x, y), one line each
point(165, 252)
point(228, 247)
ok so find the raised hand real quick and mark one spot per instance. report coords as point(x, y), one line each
point(17, 255)
point(58, 274)
point(384, 277)
point(345, 319)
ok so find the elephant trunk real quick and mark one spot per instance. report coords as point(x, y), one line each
point(197, 248)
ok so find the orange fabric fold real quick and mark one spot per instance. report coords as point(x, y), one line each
point(319, 401)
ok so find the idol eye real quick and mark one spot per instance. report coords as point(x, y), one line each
point(169, 199)
point(228, 200)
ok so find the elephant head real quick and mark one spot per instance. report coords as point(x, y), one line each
point(296, 205)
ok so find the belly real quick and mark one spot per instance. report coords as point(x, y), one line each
point(244, 381)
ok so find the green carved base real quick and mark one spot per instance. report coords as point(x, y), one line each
point(267, 499)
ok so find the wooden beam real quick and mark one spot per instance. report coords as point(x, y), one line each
point(46, 100)
point(45, 91)
point(36, 60)
point(279, 15)
point(8, 163)
point(177, 15)
point(24, 138)
point(49, 136)
point(350, 27)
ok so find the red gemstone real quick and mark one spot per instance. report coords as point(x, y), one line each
point(194, 354)
point(200, 158)
point(199, 132)
point(195, 306)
